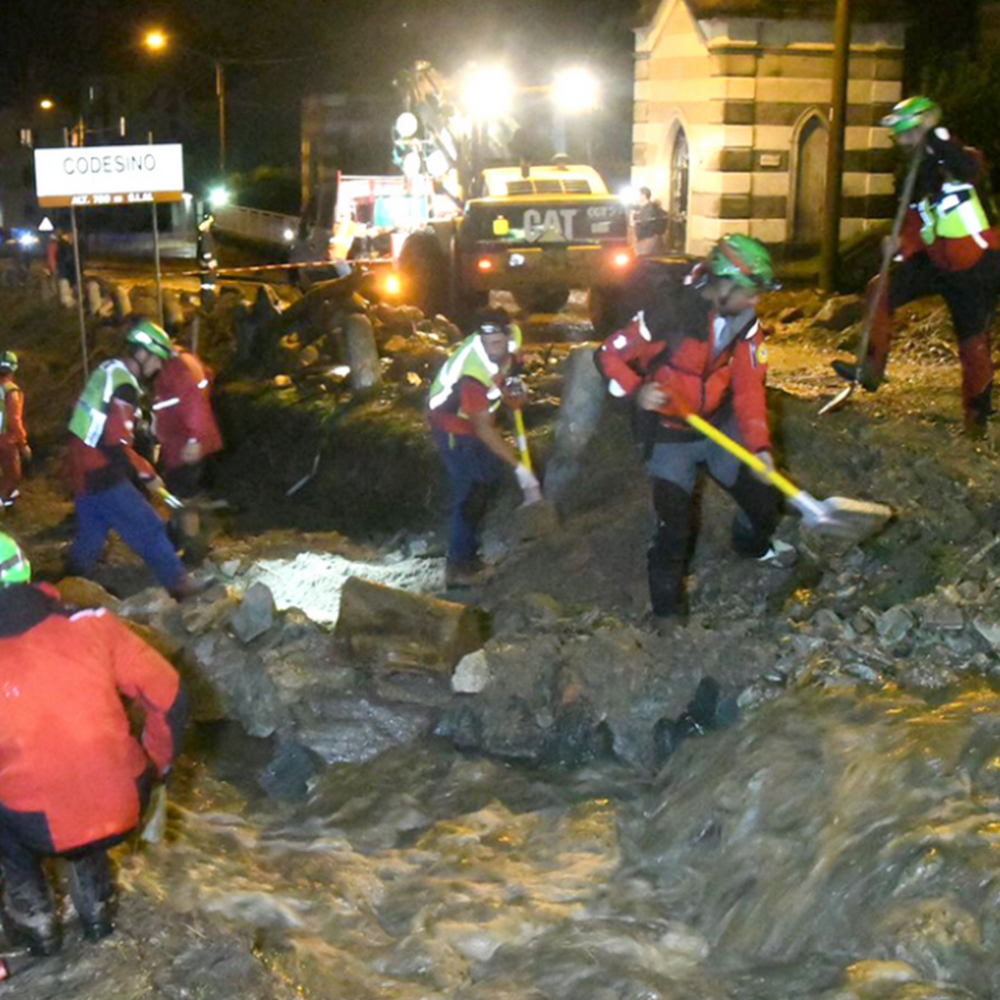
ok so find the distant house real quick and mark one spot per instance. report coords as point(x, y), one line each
point(732, 112)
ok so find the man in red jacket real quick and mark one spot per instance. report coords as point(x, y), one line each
point(13, 436)
point(188, 434)
point(947, 247)
point(698, 347)
point(73, 779)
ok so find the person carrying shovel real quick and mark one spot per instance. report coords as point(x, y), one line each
point(698, 348)
point(465, 395)
point(946, 246)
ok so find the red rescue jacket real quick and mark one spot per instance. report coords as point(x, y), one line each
point(114, 460)
point(677, 348)
point(182, 409)
point(66, 750)
point(946, 159)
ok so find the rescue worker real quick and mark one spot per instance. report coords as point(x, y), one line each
point(103, 465)
point(73, 779)
point(698, 347)
point(14, 446)
point(947, 247)
point(464, 397)
point(188, 434)
point(649, 223)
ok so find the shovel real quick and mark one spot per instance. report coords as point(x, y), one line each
point(880, 289)
point(532, 496)
point(836, 517)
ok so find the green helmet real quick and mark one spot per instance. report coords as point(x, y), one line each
point(744, 260)
point(911, 113)
point(8, 360)
point(14, 567)
point(154, 338)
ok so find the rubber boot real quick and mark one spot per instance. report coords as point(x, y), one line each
point(865, 377)
point(977, 383)
point(92, 889)
point(666, 590)
point(28, 913)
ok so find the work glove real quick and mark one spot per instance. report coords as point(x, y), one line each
point(652, 397)
point(528, 481)
point(515, 392)
point(191, 452)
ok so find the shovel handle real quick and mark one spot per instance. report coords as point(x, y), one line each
point(522, 440)
point(748, 458)
point(887, 254)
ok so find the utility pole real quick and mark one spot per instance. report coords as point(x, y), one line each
point(220, 94)
point(835, 150)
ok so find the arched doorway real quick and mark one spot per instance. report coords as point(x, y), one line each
point(810, 182)
point(677, 209)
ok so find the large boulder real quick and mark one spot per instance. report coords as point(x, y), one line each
point(394, 629)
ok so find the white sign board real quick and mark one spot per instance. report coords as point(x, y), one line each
point(109, 175)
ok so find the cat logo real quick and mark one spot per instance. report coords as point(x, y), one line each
point(552, 225)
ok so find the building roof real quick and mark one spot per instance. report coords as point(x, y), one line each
point(821, 10)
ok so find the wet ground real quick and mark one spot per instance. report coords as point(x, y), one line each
point(838, 842)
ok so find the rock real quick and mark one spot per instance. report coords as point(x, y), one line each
point(472, 673)
point(894, 625)
point(353, 730)
point(289, 771)
point(535, 520)
point(173, 314)
point(989, 630)
point(225, 682)
point(79, 592)
point(791, 314)
point(230, 567)
point(362, 354)
point(147, 604)
point(840, 312)
point(163, 642)
point(200, 616)
point(394, 629)
point(583, 395)
point(123, 307)
point(942, 615)
point(255, 614)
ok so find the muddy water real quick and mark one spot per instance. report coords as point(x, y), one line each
point(833, 845)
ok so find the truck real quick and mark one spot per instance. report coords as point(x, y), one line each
point(465, 219)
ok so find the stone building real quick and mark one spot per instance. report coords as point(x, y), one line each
point(732, 112)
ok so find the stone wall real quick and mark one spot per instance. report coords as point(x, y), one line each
point(747, 93)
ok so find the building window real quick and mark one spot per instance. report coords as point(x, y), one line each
point(26, 138)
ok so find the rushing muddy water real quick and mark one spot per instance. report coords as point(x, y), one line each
point(836, 844)
point(801, 851)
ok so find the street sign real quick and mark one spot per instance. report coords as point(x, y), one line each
point(83, 176)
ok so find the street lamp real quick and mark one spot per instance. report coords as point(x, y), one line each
point(156, 41)
point(487, 93)
point(575, 90)
point(46, 104)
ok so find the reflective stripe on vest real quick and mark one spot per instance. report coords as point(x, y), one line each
point(3, 408)
point(956, 214)
point(469, 361)
point(91, 413)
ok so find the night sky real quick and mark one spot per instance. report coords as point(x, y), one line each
point(316, 45)
point(48, 47)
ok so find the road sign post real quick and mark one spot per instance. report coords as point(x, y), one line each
point(90, 176)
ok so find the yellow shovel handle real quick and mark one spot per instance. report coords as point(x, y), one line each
point(522, 440)
point(748, 458)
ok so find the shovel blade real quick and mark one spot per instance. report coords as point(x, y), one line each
point(847, 520)
point(838, 401)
